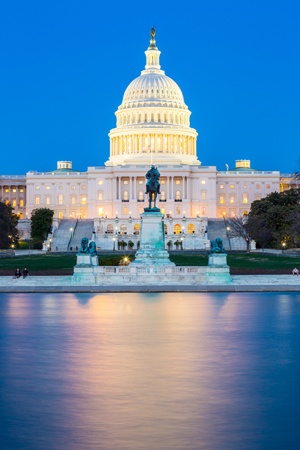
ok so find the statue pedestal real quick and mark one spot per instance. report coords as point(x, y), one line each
point(218, 272)
point(84, 269)
point(152, 250)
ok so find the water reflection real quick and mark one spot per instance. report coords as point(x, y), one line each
point(149, 371)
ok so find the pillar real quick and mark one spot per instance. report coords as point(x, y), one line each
point(169, 144)
point(155, 143)
point(119, 179)
point(163, 143)
point(183, 188)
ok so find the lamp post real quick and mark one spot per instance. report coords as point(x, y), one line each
point(114, 239)
point(50, 240)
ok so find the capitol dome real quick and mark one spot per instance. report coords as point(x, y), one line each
point(153, 121)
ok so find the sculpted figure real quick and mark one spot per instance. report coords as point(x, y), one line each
point(84, 245)
point(152, 187)
point(92, 248)
point(152, 32)
point(217, 246)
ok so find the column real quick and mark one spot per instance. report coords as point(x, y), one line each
point(183, 188)
point(172, 188)
point(130, 188)
point(169, 144)
point(188, 188)
point(155, 143)
point(178, 144)
point(135, 143)
point(134, 187)
point(163, 143)
point(126, 145)
point(119, 180)
point(148, 143)
point(168, 188)
point(115, 188)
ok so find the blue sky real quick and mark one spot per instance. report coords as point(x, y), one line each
point(66, 64)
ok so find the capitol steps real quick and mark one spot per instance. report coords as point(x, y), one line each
point(217, 228)
point(84, 228)
point(62, 235)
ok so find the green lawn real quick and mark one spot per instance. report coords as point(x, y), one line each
point(67, 262)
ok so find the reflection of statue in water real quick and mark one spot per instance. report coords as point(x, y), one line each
point(152, 187)
point(217, 246)
point(92, 248)
point(84, 245)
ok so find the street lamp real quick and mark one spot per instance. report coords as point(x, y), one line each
point(114, 239)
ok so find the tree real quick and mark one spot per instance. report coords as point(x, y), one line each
point(237, 228)
point(259, 230)
point(41, 220)
point(8, 226)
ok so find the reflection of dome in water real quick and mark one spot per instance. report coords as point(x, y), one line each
point(153, 118)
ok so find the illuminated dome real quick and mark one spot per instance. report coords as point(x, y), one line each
point(153, 122)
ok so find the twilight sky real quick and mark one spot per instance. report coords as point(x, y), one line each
point(65, 65)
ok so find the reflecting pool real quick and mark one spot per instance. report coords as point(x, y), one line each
point(186, 371)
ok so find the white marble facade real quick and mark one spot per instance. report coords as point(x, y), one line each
point(152, 127)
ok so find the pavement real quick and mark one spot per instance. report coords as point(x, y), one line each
point(241, 283)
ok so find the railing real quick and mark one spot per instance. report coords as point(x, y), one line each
point(72, 234)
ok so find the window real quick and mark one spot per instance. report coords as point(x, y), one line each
point(221, 199)
point(100, 196)
point(125, 211)
point(141, 182)
point(178, 210)
point(245, 198)
point(203, 181)
point(177, 229)
point(123, 229)
point(257, 186)
point(191, 228)
point(177, 182)
point(203, 195)
point(73, 200)
point(60, 214)
point(177, 195)
point(126, 182)
point(136, 229)
point(125, 196)
point(37, 200)
point(14, 203)
point(83, 200)
point(258, 197)
point(21, 216)
point(47, 187)
point(73, 187)
point(231, 199)
point(163, 195)
point(37, 188)
point(221, 186)
point(100, 211)
point(162, 182)
point(232, 214)
point(245, 186)
point(268, 186)
point(47, 200)
point(232, 186)
point(6, 190)
point(141, 196)
point(203, 211)
point(60, 199)
point(60, 187)
point(21, 203)
point(6, 202)
point(14, 190)
point(245, 213)
point(162, 210)
point(83, 187)
point(22, 190)
point(110, 229)
point(100, 182)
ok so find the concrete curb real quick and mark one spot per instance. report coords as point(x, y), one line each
point(150, 289)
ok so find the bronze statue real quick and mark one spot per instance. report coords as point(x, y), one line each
point(217, 246)
point(92, 248)
point(84, 245)
point(152, 33)
point(152, 187)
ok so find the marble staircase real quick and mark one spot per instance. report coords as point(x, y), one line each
point(62, 235)
point(216, 228)
point(84, 228)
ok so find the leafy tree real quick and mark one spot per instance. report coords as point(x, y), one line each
point(41, 220)
point(8, 226)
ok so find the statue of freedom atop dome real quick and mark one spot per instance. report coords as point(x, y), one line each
point(152, 188)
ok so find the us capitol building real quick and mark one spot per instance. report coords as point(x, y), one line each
point(152, 127)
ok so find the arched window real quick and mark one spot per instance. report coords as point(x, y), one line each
point(191, 228)
point(177, 229)
point(152, 117)
point(145, 117)
point(60, 199)
point(163, 195)
point(158, 118)
point(165, 118)
point(141, 195)
point(110, 229)
point(123, 229)
point(136, 229)
point(245, 198)
point(133, 120)
point(177, 195)
point(125, 195)
point(100, 196)
point(165, 228)
point(83, 200)
point(37, 201)
point(100, 211)
point(203, 195)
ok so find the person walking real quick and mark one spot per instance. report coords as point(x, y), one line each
point(25, 273)
point(18, 273)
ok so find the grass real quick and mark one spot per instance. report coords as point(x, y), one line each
point(63, 264)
